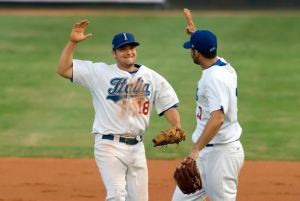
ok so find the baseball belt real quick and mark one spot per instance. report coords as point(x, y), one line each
point(128, 141)
point(211, 145)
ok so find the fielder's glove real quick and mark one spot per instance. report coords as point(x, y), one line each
point(170, 136)
point(188, 177)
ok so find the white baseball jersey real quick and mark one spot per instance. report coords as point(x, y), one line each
point(217, 89)
point(123, 101)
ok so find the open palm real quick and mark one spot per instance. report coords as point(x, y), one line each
point(77, 33)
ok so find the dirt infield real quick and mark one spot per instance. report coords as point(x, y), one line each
point(47, 179)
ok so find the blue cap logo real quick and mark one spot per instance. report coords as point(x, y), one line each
point(122, 39)
point(203, 41)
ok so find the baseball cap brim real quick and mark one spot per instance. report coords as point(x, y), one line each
point(187, 45)
point(127, 43)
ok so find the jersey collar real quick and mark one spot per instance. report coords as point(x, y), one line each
point(135, 71)
point(219, 62)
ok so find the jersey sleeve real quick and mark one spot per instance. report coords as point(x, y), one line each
point(165, 96)
point(218, 95)
point(83, 73)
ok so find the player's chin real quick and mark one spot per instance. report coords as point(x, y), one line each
point(195, 61)
point(129, 62)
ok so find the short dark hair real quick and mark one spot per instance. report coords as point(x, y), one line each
point(210, 55)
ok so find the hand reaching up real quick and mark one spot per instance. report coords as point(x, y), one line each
point(77, 33)
point(190, 27)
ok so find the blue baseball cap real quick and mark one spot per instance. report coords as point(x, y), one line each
point(203, 41)
point(122, 39)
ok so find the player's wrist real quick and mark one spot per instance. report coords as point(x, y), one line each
point(177, 126)
point(73, 41)
point(194, 153)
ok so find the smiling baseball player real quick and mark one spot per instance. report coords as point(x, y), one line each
point(123, 97)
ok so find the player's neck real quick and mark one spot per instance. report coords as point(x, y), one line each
point(128, 68)
point(206, 63)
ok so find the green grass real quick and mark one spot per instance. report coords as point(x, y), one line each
point(43, 115)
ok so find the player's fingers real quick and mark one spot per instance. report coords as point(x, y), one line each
point(186, 11)
point(88, 35)
point(76, 25)
point(187, 14)
point(83, 23)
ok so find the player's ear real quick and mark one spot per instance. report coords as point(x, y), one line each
point(196, 53)
point(113, 52)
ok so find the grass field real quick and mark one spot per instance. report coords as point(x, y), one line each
point(43, 115)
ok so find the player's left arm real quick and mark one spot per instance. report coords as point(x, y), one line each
point(190, 26)
point(173, 117)
point(211, 128)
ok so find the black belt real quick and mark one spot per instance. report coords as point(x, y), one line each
point(211, 145)
point(129, 141)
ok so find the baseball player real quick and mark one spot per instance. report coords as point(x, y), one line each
point(123, 97)
point(217, 148)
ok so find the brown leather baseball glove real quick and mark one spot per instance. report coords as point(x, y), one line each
point(188, 177)
point(170, 136)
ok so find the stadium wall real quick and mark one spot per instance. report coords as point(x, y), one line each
point(162, 4)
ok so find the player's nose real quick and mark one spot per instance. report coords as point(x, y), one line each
point(129, 52)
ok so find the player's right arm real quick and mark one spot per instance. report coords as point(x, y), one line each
point(190, 26)
point(65, 65)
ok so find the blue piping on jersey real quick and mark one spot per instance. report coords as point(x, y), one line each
point(135, 71)
point(218, 63)
point(162, 113)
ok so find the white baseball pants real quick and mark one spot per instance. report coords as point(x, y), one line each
point(219, 167)
point(123, 169)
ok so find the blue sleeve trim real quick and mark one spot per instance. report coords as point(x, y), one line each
point(174, 106)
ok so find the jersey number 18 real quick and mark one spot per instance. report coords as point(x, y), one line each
point(144, 107)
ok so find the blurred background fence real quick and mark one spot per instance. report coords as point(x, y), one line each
point(160, 4)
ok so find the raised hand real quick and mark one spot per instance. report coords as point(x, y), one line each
point(77, 33)
point(190, 27)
